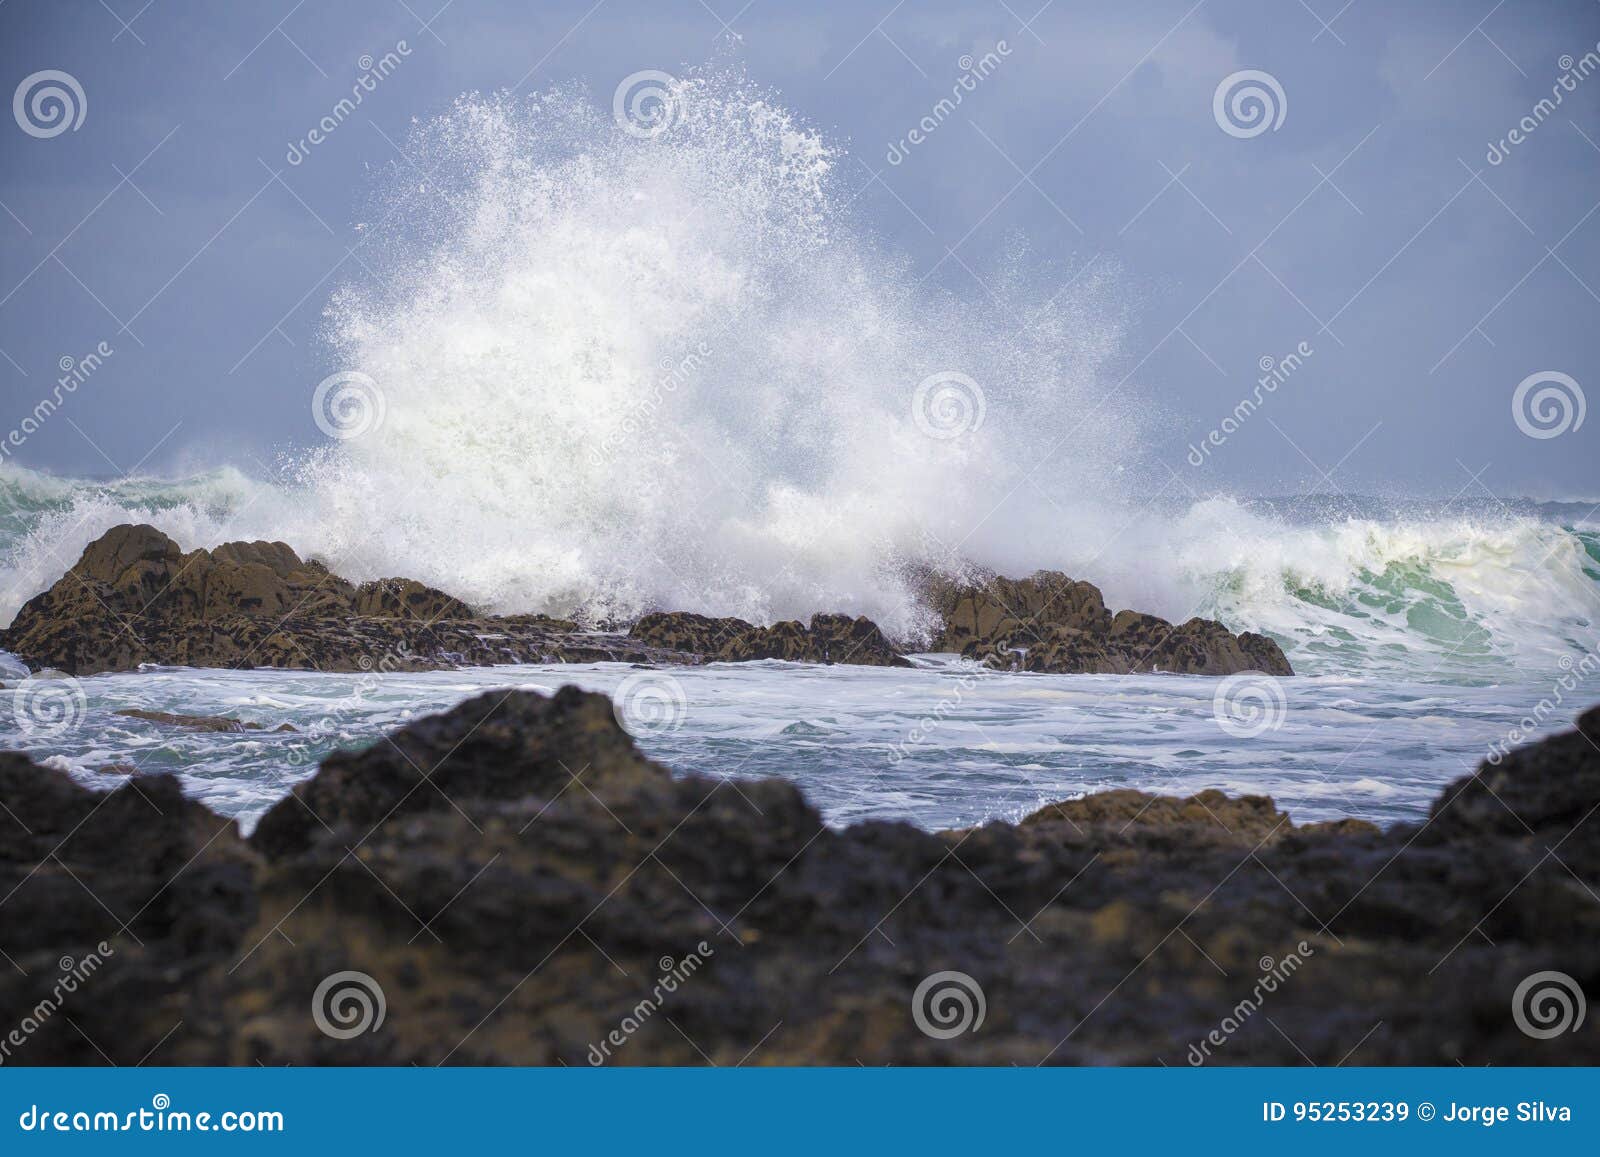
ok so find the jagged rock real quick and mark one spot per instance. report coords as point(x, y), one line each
point(134, 597)
point(1051, 623)
point(684, 631)
point(841, 639)
point(787, 639)
point(1011, 608)
point(515, 876)
point(397, 597)
point(829, 639)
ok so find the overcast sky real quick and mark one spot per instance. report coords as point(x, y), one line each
point(1369, 223)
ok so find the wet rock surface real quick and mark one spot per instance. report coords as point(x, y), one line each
point(197, 722)
point(134, 597)
point(828, 639)
point(1051, 623)
point(523, 886)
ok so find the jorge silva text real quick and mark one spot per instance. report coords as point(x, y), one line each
point(1381, 1112)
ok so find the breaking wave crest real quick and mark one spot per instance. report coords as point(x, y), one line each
point(624, 370)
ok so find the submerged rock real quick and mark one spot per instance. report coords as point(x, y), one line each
point(1052, 623)
point(515, 883)
point(198, 722)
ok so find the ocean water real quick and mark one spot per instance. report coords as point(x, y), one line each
point(941, 746)
point(1413, 666)
point(597, 370)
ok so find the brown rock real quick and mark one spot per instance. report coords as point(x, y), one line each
point(829, 639)
point(197, 722)
point(402, 598)
point(134, 597)
point(684, 631)
point(1050, 623)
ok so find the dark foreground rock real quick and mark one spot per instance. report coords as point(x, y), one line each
point(522, 886)
point(1052, 623)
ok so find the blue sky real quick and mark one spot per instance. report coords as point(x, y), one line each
point(1369, 224)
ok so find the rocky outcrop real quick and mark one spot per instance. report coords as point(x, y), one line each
point(829, 639)
point(519, 884)
point(1054, 624)
point(684, 631)
point(398, 598)
point(134, 597)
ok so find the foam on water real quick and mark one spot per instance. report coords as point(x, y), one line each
point(620, 372)
point(941, 746)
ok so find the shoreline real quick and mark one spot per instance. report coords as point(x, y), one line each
point(135, 597)
point(975, 744)
point(483, 881)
